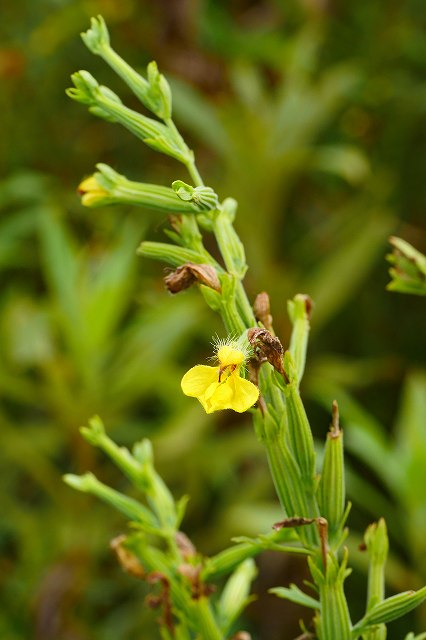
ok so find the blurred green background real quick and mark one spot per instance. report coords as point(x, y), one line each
point(311, 114)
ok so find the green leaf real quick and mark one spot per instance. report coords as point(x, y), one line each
point(294, 594)
point(409, 268)
point(131, 508)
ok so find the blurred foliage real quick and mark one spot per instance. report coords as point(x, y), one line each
point(308, 113)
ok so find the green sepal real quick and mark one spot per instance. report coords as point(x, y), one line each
point(96, 38)
point(160, 95)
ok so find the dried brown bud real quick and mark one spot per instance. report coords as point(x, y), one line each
point(189, 273)
point(241, 635)
point(192, 574)
point(185, 545)
point(126, 558)
point(153, 602)
point(262, 310)
point(157, 577)
point(267, 347)
point(161, 600)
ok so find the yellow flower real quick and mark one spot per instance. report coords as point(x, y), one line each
point(92, 194)
point(221, 387)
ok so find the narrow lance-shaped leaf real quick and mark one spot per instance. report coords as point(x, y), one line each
point(158, 495)
point(294, 594)
point(96, 436)
point(138, 468)
point(131, 508)
point(408, 272)
point(227, 560)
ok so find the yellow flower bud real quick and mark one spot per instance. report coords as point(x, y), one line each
point(92, 194)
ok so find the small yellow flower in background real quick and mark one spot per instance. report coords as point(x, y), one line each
point(222, 387)
point(92, 194)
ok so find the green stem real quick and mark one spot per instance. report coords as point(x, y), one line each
point(244, 306)
point(190, 163)
point(206, 621)
point(193, 172)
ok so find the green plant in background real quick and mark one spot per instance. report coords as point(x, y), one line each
point(408, 269)
point(315, 509)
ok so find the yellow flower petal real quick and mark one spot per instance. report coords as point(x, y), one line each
point(197, 380)
point(245, 393)
point(221, 398)
point(88, 184)
point(92, 194)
